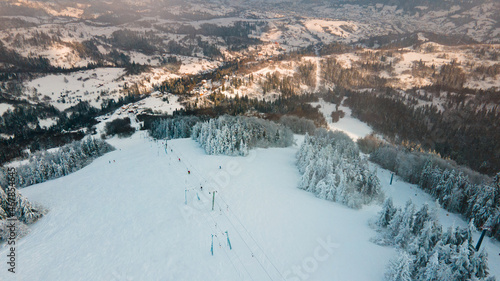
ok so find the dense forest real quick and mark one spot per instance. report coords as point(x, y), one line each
point(457, 188)
point(296, 105)
point(173, 128)
point(464, 131)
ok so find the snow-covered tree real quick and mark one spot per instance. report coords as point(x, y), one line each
point(24, 212)
point(386, 214)
point(231, 135)
point(332, 169)
point(399, 269)
point(43, 166)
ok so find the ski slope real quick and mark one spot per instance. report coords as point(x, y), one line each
point(134, 214)
point(349, 125)
point(127, 220)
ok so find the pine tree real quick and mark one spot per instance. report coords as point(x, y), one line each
point(399, 269)
point(405, 227)
point(461, 266)
point(479, 264)
point(386, 214)
point(432, 268)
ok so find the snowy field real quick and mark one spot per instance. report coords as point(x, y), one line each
point(79, 86)
point(127, 220)
point(137, 214)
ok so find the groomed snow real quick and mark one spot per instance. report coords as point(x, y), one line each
point(126, 220)
point(124, 217)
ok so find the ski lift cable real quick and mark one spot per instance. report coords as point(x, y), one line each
point(238, 257)
point(243, 239)
point(266, 256)
point(225, 252)
point(236, 254)
point(251, 236)
point(220, 231)
point(230, 260)
point(198, 175)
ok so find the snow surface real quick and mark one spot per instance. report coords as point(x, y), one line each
point(125, 217)
point(127, 220)
point(47, 122)
point(353, 127)
point(82, 85)
point(4, 107)
point(193, 65)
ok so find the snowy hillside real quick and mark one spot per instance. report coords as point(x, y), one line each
point(124, 216)
point(424, 75)
point(134, 214)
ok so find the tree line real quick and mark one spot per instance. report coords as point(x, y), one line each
point(43, 166)
point(234, 135)
point(457, 189)
point(24, 212)
point(466, 132)
point(22, 124)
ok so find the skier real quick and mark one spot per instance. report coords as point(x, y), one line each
point(201, 188)
point(220, 167)
point(189, 172)
point(179, 159)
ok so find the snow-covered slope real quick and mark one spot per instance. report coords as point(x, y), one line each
point(134, 214)
point(124, 217)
